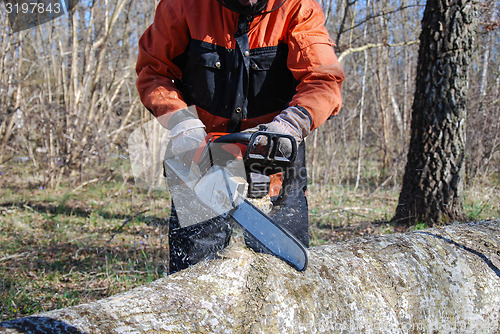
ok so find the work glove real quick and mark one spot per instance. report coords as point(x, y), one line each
point(187, 136)
point(293, 121)
point(187, 132)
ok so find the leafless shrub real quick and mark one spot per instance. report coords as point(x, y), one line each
point(68, 97)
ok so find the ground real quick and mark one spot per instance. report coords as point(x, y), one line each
point(71, 245)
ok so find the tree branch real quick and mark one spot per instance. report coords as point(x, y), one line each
point(362, 48)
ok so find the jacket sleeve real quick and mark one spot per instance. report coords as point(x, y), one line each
point(313, 62)
point(164, 40)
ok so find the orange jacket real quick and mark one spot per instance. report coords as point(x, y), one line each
point(238, 71)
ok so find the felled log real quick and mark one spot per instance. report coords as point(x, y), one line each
point(437, 280)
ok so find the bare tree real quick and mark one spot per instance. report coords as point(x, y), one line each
point(72, 81)
point(483, 122)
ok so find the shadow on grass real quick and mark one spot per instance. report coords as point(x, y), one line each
point(62, 210)
point(67, 210)
point(66, 257)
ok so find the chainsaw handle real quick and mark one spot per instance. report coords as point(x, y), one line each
point(267, 160)
point(234, 138)
point(252, 138)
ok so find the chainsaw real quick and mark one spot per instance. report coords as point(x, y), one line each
point(231, 175)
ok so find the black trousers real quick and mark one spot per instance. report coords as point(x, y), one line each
point(198, 242)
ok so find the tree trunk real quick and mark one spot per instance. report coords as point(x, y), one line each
point(433, 180)
point(438, 280)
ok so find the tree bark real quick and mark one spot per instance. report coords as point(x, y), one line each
point(433, 180)
point(438, 280)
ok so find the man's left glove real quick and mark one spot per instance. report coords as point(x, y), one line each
point(294, 121)
point(187, 132)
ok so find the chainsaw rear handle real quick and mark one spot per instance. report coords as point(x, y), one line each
point(271, 156)
point(268, 154)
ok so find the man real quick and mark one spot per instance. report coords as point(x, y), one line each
point(245, 65)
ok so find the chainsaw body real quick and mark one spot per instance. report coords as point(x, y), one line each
point(265, 166)
point(231, 175)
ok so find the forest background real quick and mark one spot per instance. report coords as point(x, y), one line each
point(75, 227)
